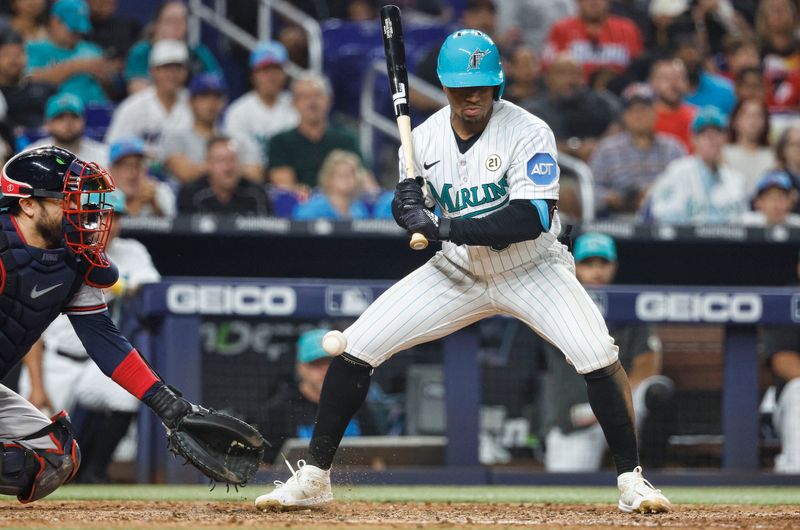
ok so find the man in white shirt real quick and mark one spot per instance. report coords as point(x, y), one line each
point(184, 149)
point(266, 110)
point(147, 113)
point(65, 123)
point(700, 189)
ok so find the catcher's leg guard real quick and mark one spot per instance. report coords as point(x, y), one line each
point(31, 474)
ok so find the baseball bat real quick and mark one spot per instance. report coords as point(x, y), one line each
point(395, 51)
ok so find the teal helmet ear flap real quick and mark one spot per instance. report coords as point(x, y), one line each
point(469, 58)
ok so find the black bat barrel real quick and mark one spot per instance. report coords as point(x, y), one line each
point(395, 51)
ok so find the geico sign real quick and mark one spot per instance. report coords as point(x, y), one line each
point(231, 300)
point(698, 307)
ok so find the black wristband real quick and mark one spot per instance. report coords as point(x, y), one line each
point(444, 228)
point(168, 406)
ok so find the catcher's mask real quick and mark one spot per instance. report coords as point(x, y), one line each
point(54, 173)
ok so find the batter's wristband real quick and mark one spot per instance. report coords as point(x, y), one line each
point(444, 229)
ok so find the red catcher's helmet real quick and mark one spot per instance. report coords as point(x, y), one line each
point(53, 172)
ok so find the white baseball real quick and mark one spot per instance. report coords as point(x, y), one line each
point(334, 343)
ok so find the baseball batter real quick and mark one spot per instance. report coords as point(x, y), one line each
point(491, 167)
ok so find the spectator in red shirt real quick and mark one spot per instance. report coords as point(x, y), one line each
point(673, 116)
point(776, 24)
point(595, 39)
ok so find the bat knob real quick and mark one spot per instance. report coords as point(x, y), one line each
point(418, 242)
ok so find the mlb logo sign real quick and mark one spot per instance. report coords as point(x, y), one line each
point(542, 169)
point(344, 301)
point(795, 308)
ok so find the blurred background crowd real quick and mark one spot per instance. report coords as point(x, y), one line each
point(678, 111)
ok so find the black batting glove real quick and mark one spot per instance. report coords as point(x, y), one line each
point(423, 221)
point(407, 196)
point(409, 193)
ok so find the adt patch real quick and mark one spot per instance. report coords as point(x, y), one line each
point(542, 169)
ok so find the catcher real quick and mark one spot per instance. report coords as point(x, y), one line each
point(54, 225)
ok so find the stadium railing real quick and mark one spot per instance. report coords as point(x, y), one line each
point(200, 13)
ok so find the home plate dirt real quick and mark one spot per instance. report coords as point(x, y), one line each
point(156, 515)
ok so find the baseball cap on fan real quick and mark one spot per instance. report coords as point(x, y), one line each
point(168, 51)
point(638, 93)
point(268, 53)
point(595, 245)
point(709, 117)
point(208, 83)
point(74, 14)
point(774, 179)
point(126, 147)
point(64, 103)
point(309, 346)
point(668, 8)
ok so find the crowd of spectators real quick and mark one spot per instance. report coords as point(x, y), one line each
point(682, 109)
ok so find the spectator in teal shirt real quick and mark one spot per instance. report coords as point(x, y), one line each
point(706, 88)
point(341, 182)
point(170, 23)
point(67, 61)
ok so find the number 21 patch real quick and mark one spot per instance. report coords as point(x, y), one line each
point(542, 169)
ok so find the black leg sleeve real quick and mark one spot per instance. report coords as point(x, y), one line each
point(344, 390)
point(610, 398)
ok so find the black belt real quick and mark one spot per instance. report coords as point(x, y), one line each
point(75, 357)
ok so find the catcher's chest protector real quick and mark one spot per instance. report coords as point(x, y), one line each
point(35, 284)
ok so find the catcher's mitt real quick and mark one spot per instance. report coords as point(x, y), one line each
point(224, 448)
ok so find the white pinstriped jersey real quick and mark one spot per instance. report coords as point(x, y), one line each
point(533, 281)
point(514, 158)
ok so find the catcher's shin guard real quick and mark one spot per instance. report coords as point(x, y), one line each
point(31, 474)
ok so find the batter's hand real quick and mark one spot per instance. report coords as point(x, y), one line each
point(409, 193)
point(407, 196)
point(423, 221)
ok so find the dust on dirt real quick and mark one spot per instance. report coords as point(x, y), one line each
point(356, 515)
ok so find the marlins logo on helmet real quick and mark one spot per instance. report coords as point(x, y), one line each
point(476, 57)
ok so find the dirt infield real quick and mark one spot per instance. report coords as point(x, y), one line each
point(156, 515)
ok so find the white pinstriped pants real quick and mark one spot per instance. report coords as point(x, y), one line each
point(439, 298)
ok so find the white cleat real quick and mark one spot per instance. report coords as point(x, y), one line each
point(637, 495)
point(308, 486)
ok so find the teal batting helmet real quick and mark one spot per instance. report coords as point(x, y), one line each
point(470, 58)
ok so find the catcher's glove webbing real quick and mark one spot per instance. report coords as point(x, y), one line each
point(222, 447)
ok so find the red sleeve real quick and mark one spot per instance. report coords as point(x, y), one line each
point(636, 45)
point(557, 40)
point(134, 374)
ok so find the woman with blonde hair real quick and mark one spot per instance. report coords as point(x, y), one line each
point(340, 182)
